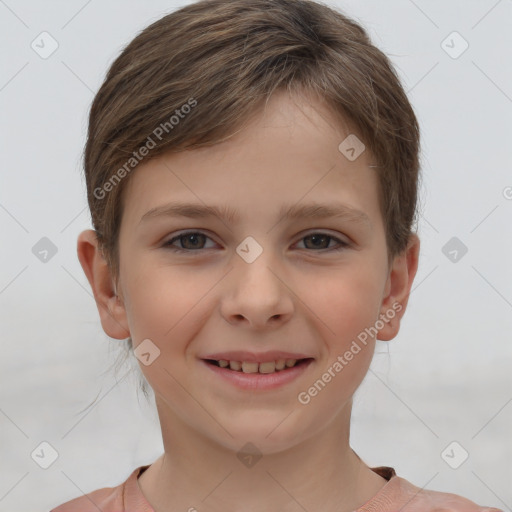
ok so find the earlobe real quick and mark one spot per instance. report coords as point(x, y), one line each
point(111, 309)
point(398, 288)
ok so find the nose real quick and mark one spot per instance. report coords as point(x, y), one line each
point(256, 295)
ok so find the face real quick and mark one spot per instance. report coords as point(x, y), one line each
point(252, 283)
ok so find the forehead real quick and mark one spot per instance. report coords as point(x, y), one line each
point(287, 154)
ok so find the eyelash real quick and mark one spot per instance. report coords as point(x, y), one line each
point(168, 246)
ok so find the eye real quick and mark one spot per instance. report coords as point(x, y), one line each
point(322, 241)
point(192, 241)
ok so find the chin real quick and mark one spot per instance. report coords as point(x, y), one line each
point(268, 435)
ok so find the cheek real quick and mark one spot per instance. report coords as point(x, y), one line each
point(164, 304)
point(345, 301)
point(345, 305)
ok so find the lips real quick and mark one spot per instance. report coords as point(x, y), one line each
point(256, 376)
point(253, 357)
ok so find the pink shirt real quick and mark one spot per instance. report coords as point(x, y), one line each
point(396, 494)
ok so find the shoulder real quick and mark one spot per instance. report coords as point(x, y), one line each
point(415, 499)
point(107, 499)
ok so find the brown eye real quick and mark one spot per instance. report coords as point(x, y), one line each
point(322, 240)
point(189, 241)
point(318, 241)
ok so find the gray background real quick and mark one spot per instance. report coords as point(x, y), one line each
point(446, 377)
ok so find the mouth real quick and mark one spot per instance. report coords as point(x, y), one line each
point(256, 376)
point(267, 367)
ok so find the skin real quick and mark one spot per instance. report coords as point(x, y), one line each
point(293, 297)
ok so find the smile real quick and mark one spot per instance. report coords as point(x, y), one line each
point(255, 367)
point(255, 376)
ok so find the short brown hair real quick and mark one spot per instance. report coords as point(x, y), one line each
point(196, 76)
point(225, 58)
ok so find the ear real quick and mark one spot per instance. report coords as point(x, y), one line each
point(111, 308)
point(398, 287)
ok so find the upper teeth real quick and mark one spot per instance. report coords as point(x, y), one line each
point(254, 367)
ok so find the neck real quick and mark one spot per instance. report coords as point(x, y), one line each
point(196, 472)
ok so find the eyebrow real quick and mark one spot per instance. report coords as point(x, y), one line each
point(287, 212)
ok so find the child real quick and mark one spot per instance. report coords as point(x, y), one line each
point(259, 128)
